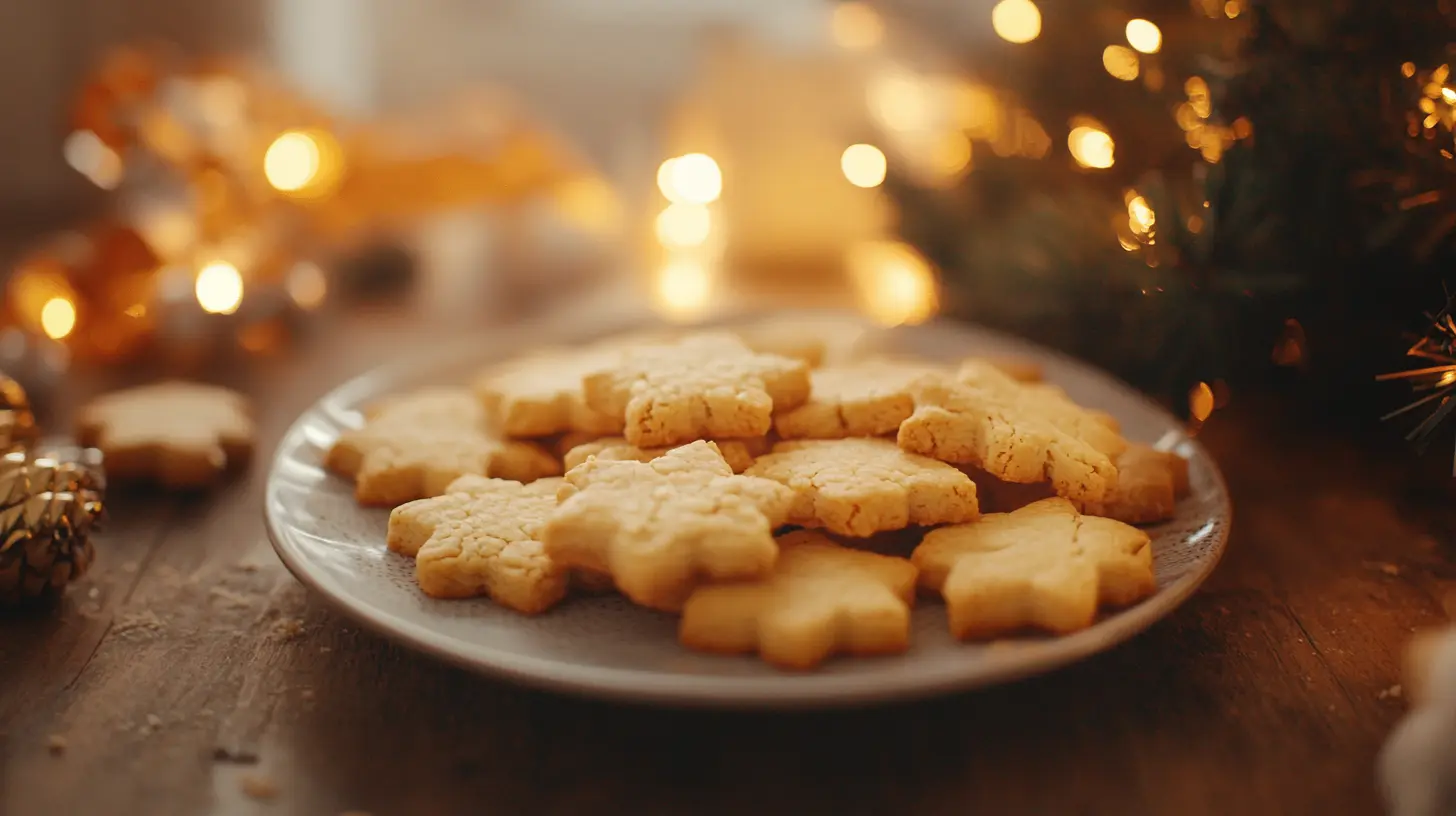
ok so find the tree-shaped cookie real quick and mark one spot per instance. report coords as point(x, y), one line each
point(661, 527)
point(179, 434)
point(1012, 435)
point(1044, 566)
point(414, 446)
point(482, 537)
point(858, 487)
point(541, 394)
point(820, 599)
point(706, 386)
point(869, 398)
point(738, 453)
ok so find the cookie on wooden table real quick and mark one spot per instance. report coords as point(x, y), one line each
point(178, 434)
point(413, 446)
point(1045, 566)
point(820, 599)
point(659, 528)
point(869, 398)
point(706, 386)
point(859, 487)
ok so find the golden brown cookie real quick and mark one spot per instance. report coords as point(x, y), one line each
point(738, 453)
point(815, 339)
point(859, 487)
point(819, 599)
point(1011, 435)
point(661, 527)
point(540, 395)
point(482, 537)
point(1149, 484)
point(413, 446)
point(178, 434)
point(1050, 403)
point(706, 386)
point(869, 398)
point(1044, 566)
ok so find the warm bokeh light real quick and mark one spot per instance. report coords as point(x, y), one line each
point(1408, 69)
point(590, 204)
point(1140, 217)
point(684, 225)
point(1091, 147)
point(856, 26)
point(950, 155)
point(898, 99)
point(1016, 21)
point(691, 179)
point(1200, 401)
point(683, 288)
point(219, 288)
point(894, 283)
point(1232, 8)
point(292, 161)
point(88, 155)
point(58, 318)
point(1144, 36)
point(1121, 62)
point(863, 164)
point(307, 287)
point(977, 111)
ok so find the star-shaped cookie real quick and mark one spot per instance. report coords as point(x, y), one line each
point(869, 398)
point(706, 386)
point(661, 527)
point(1044, 566)
point(859, 487)
point(178, 434)
point(820, 599)
point(541, 395)
point(1149, 484)
point(738, 453)
point(414, 446)
point(482, 537)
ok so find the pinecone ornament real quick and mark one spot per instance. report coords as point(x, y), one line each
point(49, 502)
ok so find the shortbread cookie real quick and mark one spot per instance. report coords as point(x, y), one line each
point(482, 537)
point(1149, 484)
point(414, 446)
point(540, 395)
point(1044, 566)
point(1050, 403)
point(815, 339)
point(870, 398)
point(706, 386)
point(1011, 435)
point(820, 599)
point(738, 453)
point(859, 487)
point(660, 527)
point(178, 434)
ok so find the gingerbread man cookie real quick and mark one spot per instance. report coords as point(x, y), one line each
point(414, 446)
point(482, 537)
point(179, 434)
point(706, 386)
point(738, 453)
point(859, 487)
point(540, 395)
point(870, 398)
point(1044, 566)
point(660, 527)
point(819, 599)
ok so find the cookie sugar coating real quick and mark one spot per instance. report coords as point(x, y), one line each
point(858, 487)
point(415, 445)
point(870, 398)
point(820, 599)
point(482, 538)
point(1044, 566)
point(706, 386)
point(179, 434)
point(661, 527)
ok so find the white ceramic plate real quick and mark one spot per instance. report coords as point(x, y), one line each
point(605, 647)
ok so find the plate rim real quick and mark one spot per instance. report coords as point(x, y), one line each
point(787, 690)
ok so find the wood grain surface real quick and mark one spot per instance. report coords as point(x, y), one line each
point(190, 674)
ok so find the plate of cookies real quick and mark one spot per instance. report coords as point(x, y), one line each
point(779, 511)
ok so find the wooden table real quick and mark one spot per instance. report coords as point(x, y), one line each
point(190, 673)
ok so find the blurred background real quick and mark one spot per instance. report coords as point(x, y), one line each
point(1191, 193)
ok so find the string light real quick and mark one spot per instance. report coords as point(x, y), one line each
point(1121, 62)
point(690, 179)
point(1232, 8)
point(1144, 36)
point(1016, 21)
point(1200, 402)
point(894, 283)
point(683, 289)
point(219, 288)
point(899, 101)
point(305, 163)
point(863, 164)
point(855, 26)
point(57, 318)
point(1091, 147)
point(683, 225)
point(1140, 216)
